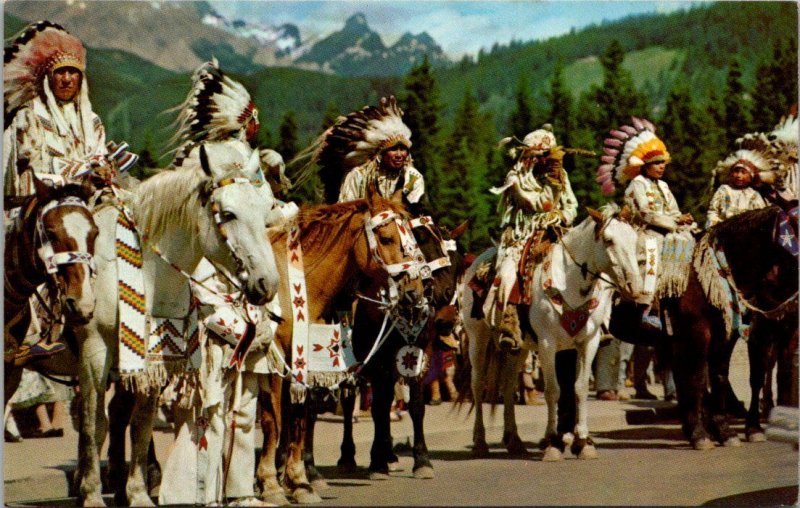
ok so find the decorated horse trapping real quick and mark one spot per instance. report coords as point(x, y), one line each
point(151, 348)
point(573, 316)
point(321, 354)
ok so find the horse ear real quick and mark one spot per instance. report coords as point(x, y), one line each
point(43, 189)
point(204, 160)
point(460, 229)
point(594, 214)
point(253, 164)
point(626, 214)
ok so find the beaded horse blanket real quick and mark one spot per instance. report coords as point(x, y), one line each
point(152, 349)
point(321, 353)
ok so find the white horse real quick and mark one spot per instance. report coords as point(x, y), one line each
point(213, 211)
point(599, 251)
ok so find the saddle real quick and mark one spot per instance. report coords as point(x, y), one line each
point(536, 249)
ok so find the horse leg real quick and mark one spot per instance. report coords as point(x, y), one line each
point(510, 371)
point(690, 349)
point(718, 368)
point(347, 460)
point(94, 362)
point(267, 471)
point(120, 408)
point(141, 434)
point(295, 478)
point(382, 396)
point(416, 408)
point(478, 358)
point(583, 447)
point(758, 355)
point(566, 367)
point(313, 474)
point(551, 443)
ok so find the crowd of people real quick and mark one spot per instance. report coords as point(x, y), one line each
point(52, 134)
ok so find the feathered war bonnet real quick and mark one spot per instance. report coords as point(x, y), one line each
point(39, 49)
point(752, 161)
point(354, 140)
point(626, 151)
point(216, 109)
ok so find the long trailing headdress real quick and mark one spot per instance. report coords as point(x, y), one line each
point(354, 140)
point(39, 49)
point(216, 108)
point(626, 150)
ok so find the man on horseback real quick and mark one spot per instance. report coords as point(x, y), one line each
point(51, 131)
point(635, 154)
point(537, 202)
point(737, 194)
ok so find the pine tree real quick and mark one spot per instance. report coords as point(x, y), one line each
point(776, 86)
point(330, 116)
point(287, 132)
point(421, 106)
point(684, 132)
point(737, 109)
point(560, 100)
point(521, 120)
point(463, 191)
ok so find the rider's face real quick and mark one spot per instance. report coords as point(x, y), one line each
point(395, 157)
point(655, 170)
point(740, 177)
point(65, 83)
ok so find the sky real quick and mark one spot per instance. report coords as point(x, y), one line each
point(459, 27)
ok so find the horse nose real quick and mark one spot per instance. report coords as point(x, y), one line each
point(266, 288)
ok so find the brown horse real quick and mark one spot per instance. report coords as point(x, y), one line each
point(52, 243)
point(338, 257)
point(765, 274)
point(438, 248)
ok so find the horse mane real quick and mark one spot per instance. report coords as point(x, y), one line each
point(751, 224)
point(321, 225)
point(168, 197)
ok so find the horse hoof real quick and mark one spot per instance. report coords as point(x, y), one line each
point(552, 454)
point(703, 444)
point(320, 484)
point(141, 500)
point(346, 467)
point(94, 501)
point(756, 437)
point(424, 473)
point(480, 451)
point(378, 476)
point(568, 439)
point(733, 442)
point(277, 498)
point(588, 452)
point(306, 496)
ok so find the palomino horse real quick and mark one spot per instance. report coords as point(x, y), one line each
point(53, 242)
point(764, 275)
point(603, 245)
point(338, 257)
point(445, 263)
point(213, 211)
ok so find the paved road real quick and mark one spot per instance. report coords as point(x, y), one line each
point(642, 463)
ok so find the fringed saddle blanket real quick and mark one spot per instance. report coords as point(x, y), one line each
point(573, 316)
point(675, 262)
point(716, 280)
point(151, 349)
point(321, 353)
point(536, 250)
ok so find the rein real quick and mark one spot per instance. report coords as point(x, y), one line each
point(585, 266)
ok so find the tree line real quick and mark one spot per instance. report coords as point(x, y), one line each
point(461, 161)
